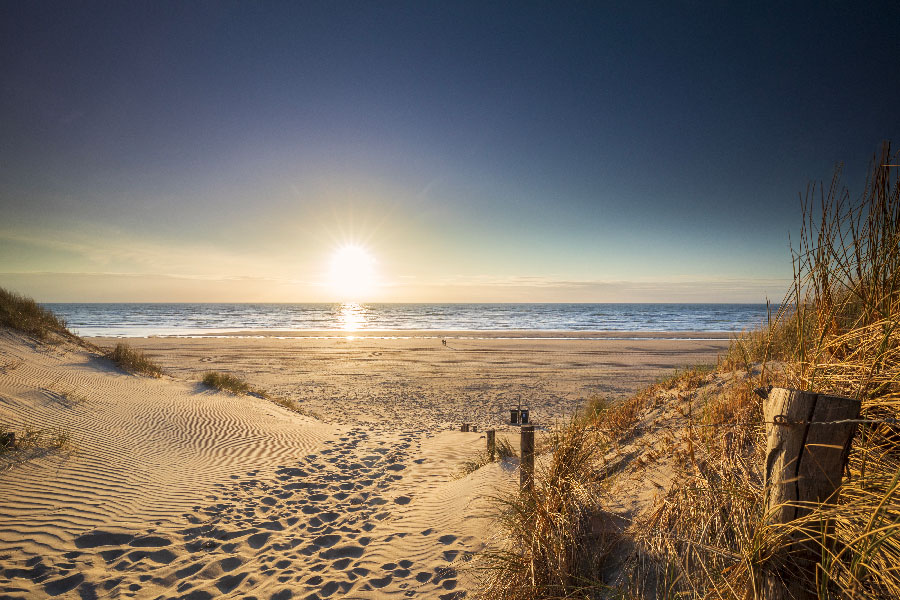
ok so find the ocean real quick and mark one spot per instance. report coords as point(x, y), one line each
point(142, 320)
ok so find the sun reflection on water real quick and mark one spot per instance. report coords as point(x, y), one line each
point(352, 316)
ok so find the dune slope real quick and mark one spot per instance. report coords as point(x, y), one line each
point(178, 491)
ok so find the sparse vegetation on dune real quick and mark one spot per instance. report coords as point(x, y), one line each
point(234, 384)
point(29, 442)
point(707, 536)
point(23, 314)
point(503, 450)
point(558, 548)
point(134, 361)
point(226, 382)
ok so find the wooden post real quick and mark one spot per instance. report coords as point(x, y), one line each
point(491, 443)
point(464, 427)
point(526, 462)
point(805, 460)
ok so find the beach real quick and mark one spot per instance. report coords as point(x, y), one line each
point(170, 489)
point(412, 379)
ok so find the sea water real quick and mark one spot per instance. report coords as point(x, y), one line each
point(145, 319)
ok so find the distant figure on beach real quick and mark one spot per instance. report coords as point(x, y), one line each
point(444, 342)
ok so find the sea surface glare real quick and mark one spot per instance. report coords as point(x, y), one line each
point(145, 319)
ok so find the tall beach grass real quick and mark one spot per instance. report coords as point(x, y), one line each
point(837, 331)
point(23, 314)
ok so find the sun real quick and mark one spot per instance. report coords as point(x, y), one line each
point(352, 274)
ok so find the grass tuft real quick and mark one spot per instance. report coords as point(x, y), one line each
point(226, 382)
point(17, 447)
point(23, 314)
point(503, 450)
point(234, 384)
point(134, 361)
point(553, 547)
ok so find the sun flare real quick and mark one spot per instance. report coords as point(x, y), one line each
point(352, 274)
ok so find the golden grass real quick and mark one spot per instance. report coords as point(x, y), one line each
point(558, 547)
point(837, 331)
point(134, 361)
point(503, 450)
point(23, 314)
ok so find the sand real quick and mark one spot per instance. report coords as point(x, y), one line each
point(175, 490)
point(410, 379)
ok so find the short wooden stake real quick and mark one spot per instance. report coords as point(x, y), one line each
point(491, 443)
point(526, 464)
point(464, 427)
point(805, 460)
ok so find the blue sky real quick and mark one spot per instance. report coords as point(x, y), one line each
point(478, 151)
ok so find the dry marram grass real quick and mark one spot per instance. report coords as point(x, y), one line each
point(837, 332)
point(134, 361)
point(23, 314)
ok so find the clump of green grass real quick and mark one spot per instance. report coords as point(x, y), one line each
point(134, 361)
point(23, 314)
point(226, 382)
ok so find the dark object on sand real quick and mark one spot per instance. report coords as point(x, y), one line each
point(8, 440)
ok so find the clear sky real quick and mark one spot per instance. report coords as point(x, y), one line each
point(584, 151)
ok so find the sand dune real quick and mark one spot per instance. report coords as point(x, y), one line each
point(177, 491)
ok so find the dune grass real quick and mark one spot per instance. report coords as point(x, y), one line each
point(23, 314)
point(837, 331)
point(557, 549)
point(232, 383)
point(134, 361)
point(226, 382)
point(503, 450)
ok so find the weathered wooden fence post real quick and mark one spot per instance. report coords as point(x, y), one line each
point(806, 452)
point(464, 427)
point(526, 463)
point(491, 443)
